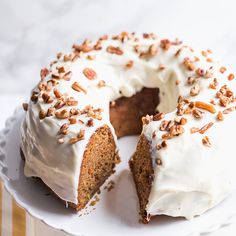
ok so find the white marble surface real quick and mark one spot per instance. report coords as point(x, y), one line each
point(32, 32)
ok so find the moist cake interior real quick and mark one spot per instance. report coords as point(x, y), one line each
point(100, 156)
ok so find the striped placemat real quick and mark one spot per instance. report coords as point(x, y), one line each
point(15, 221)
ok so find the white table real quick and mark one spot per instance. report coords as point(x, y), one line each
point(32, 32)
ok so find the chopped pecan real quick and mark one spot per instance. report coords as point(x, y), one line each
point(230, 77)
point(206, 141)
point(197, 113)
point(220, 116)
point(57, 93)
point(90, 73)
point(129, 64)
point(158, 116)
point(25, 106)
point(114, 50)
point(77, 87)
point(205, 128)
point(71, 102)
point(43, 73)
point(101, 83)
point(194, 91)
point(64, 129)
point(42, 114)
point(62, 114)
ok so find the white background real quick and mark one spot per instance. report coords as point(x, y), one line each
point(32, 32)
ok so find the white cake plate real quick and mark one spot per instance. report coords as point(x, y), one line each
point(117, 211)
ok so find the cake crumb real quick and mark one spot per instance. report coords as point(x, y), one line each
point(94, 201)
point(110, 185)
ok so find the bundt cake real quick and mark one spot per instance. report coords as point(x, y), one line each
point(87, 98)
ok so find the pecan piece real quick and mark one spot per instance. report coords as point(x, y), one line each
point(62, 114)
point(206, 141)
point(90, 73)
point(114, 50)
point(77, 87)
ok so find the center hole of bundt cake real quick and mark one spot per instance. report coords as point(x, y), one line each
point(126, 112)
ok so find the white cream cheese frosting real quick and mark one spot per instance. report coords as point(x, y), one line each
point(191, 175)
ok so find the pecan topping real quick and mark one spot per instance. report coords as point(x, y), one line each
point(158, 161)
point(222, 69)
point(197, 113)
point(153, 50)
point(183, 121)
point(114, 50)
point(62, 114)
point(91, 57)
point(200, 72)
point(90, 122)
point(42, 86)
point(177, 82)
point(176, 130)
point(74, 111)
point(61, 69)
point(188, 64)
point(205, 106)
point(162, 145)
point(77, 87)
point(230, 77)
point(158, 116)
point(72, 120)
point(55, 75)
point(90, 73)
point(46, 98)
point(194, 130)
point(34, 96)
point(85, 47)
point(220, 116)
point(228, 110)
point(101, 83)
point(163, 125)
point(57, 93)
point(180, 109)
point(178, 52)
point(71, 102)
point(42, 114)
point(214, 84)
point(43, 73)
point(98, 45)
point(206, 141)
point(50, 111)
point(224, 101)
point(59, 104)
point(146, 119)
point(205, 128)
point(191, 80)
point(59, 55)
point(64, 129)
point(194, 91)
point(78, 138)
point(165, 44)
point(129, 64)
point(67, 76)
point(25, 106)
